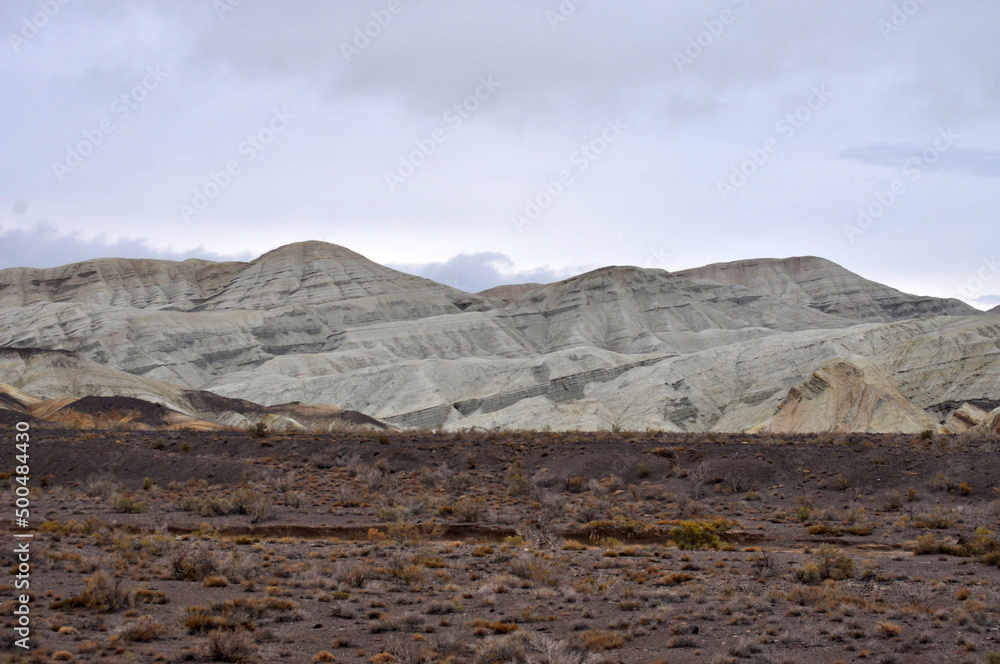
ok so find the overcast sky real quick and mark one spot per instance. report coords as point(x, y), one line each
point(489, 141)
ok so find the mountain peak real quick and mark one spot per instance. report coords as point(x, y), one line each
point(718, 347)
point(310, 250)
point(824, 285)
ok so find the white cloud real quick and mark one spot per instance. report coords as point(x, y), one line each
point(477, 272)
point(41, 246)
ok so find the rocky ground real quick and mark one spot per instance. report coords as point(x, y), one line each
point(494, 547)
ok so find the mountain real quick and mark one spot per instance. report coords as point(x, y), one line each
point(64, 388)
point(995, 310)
point(826, 286)
point(509, 291)
point(634, 310)
point(726, 347)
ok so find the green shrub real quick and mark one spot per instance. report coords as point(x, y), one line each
point(693, 535)
point(128, 505)
point(830, 563)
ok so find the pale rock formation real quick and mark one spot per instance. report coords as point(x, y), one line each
point(49, 385)
point(826, 286)
point(990, 425)
point(508, 292)
point(717, 348)
point(965, 418)
point(13, 398)
point(635, 310)
point(851, 395)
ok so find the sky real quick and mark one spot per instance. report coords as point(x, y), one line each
point(500, 141)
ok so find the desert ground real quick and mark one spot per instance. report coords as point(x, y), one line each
point(416, 546)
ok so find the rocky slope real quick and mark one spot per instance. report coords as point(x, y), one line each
point(990, 425)
point(64, 388)
point(851, 395)
point(509, 291)
point(823, 285)
point(726, 347)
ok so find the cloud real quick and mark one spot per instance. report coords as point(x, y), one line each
point(41, 245)
point(986, 301)
point(362, 117)
point(977, 162)
point(479, 271)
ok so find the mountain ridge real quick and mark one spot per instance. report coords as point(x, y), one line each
point(712, 348)
point(828, 287)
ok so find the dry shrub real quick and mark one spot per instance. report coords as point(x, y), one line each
point(672, 579)
point(143, 630)
point(889, 630)
point(597, 640)
point(102, 595)
point(470, 509)
point(231, 646)
point(101, 487)
point(193, 564)
point(830, 563)
point(508, 648)
point(497, 627)
point(240, 613)
point(541, 571)
point(253, 503)
point(982, 546)
point(125, 504)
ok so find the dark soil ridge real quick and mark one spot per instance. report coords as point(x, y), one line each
point(468, 532)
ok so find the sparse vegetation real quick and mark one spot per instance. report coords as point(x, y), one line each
point(467, 548)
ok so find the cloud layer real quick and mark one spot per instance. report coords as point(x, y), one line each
point(474, 273)
point(240, 126)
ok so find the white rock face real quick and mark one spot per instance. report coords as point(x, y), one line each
point(717, 348)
